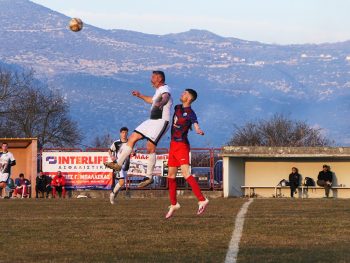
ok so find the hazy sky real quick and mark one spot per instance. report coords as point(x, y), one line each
point(269, 21)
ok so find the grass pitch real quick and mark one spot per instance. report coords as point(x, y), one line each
point(300, 230)
point(133, 230)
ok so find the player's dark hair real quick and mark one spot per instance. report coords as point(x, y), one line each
point(5, 143)
point(21, 175)
point(124, 129)
point(193, 94)
point(159, 73)
point(326, 166)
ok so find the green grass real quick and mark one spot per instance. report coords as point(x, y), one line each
point(133, 230)
point(285, 230)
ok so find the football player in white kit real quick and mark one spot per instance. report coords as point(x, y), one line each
point(6, 161)
point(152, 129)
point(114, 153)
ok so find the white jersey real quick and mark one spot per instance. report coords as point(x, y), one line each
point(164, 112)
point(6, 160)
point(117, 148)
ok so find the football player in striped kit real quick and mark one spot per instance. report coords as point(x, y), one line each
point(183, 119)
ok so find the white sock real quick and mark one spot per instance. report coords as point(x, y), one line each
point(151, 162)
point(116, 189)
point(124, 154)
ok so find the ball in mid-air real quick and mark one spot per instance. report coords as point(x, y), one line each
point(75, 24)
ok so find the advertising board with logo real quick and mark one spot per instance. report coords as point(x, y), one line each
point(85, 170)
point(82, 170)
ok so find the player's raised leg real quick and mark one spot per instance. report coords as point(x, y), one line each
point(202, 201)
point(151, 161)
point(127, 150)
point(174, 205)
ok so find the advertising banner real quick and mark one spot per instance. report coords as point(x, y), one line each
point(138, 165)
point(82, 170)
point(85, 170)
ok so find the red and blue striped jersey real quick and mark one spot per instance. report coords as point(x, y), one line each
point(183, 119)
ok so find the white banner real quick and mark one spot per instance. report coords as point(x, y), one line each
point(75, 161)
point(138, 165)
point(82, 170)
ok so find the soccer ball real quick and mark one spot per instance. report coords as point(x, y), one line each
point(75, 24)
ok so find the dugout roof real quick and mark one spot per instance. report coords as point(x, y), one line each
point(286, 152)
point(18, 142)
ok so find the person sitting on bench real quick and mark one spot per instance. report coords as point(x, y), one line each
point(22, 186)
point(294, 181)
point(325, 178)
point(58, 184)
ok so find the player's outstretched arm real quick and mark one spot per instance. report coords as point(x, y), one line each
point(147, 99)
point(198, 130)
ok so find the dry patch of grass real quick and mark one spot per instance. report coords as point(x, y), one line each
point(284, 230)
point(133, 230)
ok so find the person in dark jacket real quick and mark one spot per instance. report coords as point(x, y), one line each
point(42, 185)
point(325, 178)
point(294, 181)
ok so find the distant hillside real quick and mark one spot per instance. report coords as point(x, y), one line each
point(237, 80)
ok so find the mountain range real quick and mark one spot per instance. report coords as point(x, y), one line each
point(237, 80)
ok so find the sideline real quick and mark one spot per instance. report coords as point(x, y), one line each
point(233, 248)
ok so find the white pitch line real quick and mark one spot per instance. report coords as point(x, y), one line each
point(231, 256)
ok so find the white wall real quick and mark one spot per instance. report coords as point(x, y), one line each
point(234, 171)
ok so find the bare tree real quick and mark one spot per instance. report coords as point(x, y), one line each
point(104, 141)
point(278, 131)
point(37, 112)
point(11, 84)
point(5, 84)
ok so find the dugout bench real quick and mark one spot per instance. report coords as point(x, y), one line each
point(303, 191)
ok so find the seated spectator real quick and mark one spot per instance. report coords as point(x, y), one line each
point(10, 188)
point(325, 178)
point(294, 181)
point(58, 185)
point(43, 185)
point(21, 186)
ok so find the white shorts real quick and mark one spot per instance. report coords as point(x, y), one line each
point(153, 130)
point(121, 174)
point(4, 177)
